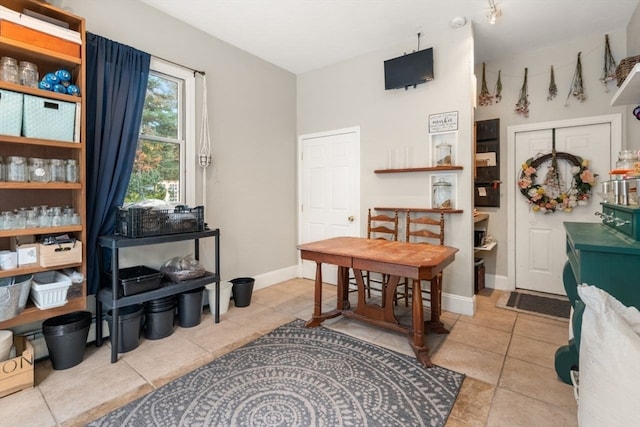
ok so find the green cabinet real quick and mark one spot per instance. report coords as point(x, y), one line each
point(602, 256)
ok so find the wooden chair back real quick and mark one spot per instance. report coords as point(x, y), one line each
point(424, 229)
point(381, 226)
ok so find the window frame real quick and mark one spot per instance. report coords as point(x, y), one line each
point(186, 125)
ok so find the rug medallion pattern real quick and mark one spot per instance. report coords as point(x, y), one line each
point(297, 376)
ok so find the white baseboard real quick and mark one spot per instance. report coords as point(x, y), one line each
point(498, 282)
point(272, 277)
point(459, 304)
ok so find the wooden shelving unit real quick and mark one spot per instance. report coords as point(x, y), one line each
point(15, 195)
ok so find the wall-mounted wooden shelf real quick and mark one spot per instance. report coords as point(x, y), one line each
point(422, 169)
point(450, 211)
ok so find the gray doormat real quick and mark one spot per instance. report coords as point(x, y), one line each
point(297, 376)
point(551, 305)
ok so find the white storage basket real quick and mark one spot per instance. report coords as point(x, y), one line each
point(49, 289)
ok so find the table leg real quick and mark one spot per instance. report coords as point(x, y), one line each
point(435, 325)
point(342, 302)
point(417, 340)
point(318, 316)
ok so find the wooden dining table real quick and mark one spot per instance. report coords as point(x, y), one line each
point(395, 260)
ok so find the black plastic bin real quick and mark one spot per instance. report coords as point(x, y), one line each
point(66, 338)
point(135, 280)
point(159, 317)
point(242, 290)
point(129, 327)
point(190, 308)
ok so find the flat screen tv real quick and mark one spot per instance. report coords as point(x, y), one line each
point(408, 70)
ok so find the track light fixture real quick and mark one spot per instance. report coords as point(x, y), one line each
point(494, 12)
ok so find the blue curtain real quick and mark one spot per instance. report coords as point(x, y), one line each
point(115, 89)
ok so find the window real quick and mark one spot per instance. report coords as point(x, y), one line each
point(166, 145)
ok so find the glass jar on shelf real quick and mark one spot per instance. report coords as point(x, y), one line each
point(626, 159)
point(39, 170)
point(16, 168)
point(28, 72)
point(443, 154)
point(58, 170)
point(71, 171)
point(442, 195)
point(9, 70)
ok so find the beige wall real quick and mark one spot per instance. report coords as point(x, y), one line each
point(563, 57)
point(352, 93)
point(252, 116)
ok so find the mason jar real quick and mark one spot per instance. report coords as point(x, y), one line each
point(442, 195)
point(58, 170)
point(72, 171)
point(38, 170)
point(28, 72)
point(9, 70)
point(16, 168)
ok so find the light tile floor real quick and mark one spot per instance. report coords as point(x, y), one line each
point(507, 357)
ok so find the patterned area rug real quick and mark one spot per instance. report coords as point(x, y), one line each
point(296, 376)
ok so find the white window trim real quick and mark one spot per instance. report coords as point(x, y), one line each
point(189, 166)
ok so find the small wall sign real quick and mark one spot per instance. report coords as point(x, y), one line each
point(443, 122)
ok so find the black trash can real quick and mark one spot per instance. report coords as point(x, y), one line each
point(242, 290)
point(190, 308)
point(66, 338)
point(129, 327)
point(159, 317)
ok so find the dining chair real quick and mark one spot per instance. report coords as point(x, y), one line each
point(422, 228)
point(379, 226)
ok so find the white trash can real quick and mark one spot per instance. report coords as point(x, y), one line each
point(225, 296)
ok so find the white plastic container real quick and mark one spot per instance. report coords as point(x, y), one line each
point(6, 342)
point(49, 289)
point(225, 296)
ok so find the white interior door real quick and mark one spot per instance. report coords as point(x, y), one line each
point(329, 190)
point(540, 251)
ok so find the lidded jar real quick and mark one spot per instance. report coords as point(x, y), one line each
point(71, 171)
point(28, 72)
point(442, 195)
point(38, 170)
point(58, 170)
point(9, 70)
point(626, 159)
point(443, 155)
point(16, 168)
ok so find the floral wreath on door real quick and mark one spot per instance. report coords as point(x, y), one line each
point(550, 195)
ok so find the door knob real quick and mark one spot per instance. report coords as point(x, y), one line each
point(351, 218)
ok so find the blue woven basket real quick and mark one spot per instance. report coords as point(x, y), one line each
point(10, 113)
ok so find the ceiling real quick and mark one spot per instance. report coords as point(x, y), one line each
point(304, 35)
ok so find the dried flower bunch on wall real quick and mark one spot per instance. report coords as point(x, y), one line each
point(522, 107)
point(499, 88)
point(577, 85)
point(609, 69)
point(553, 88)
point(485, 98)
